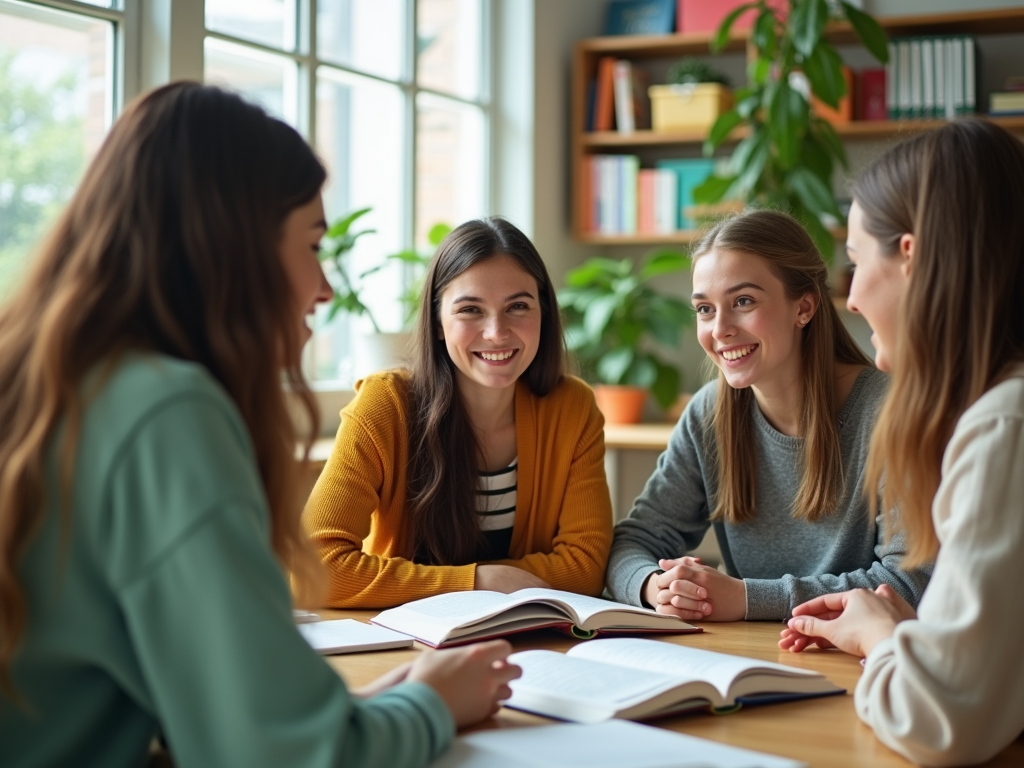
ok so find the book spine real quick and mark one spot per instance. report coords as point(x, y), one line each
point(630, 173)
point(604, 110)
point(916, 96)
point(607, 213)
point(903, 71)
point(891, 79)
point(940, 76)
point(958, 76)
point(928, 77)
point(623, 78)
point(970, 76)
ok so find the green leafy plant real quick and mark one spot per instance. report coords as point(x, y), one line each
point(337, 244)
point(691, 70)
point(417, 262)
point(787, 159)
point(613, 316)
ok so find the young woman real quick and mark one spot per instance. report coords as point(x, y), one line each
point(937, 236)
point(147, 473)
point(483, 466)
point(771, 454)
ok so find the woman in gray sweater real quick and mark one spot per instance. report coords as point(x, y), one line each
point(772, 454)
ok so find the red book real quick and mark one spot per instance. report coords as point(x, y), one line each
point(871, 104)
point(604, 106)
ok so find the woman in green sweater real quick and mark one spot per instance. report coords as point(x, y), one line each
point(148, 505)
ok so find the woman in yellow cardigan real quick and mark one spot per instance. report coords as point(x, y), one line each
point(483, 466)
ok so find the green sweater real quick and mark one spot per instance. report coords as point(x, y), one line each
point(167, 611)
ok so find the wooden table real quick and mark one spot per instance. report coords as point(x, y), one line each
point(822, 732)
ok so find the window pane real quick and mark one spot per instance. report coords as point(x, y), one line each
point(115, 4)
point(450, 163)
point(362, 34)
point(359, 136)
point(56, 102)
point(448, 46)
point(271, 22)
point(268, 80)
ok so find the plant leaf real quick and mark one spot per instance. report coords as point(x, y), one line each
point(824, 70)
point(821, 236)
point(713, 189)
point(764, 34)
point(826, 134)
point(722, 35)
point(612, 366)
point(869, 31)
point(786, 114)
point(666, 384)
point(597, 271)
point(437, 233)
point(721, 129)
point(663, 262)
point(642, 373)
point(598, 313)
point(808, 24)
point(813, 192)
point(341, 226)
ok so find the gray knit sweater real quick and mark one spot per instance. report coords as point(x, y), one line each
point(783, 561)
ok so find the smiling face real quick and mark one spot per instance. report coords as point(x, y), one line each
point(490, 322)
point(745, 322)
point(879, 281)
point(300, 246)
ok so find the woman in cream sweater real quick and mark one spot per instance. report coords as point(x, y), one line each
point(483, 466)
point(937, 236)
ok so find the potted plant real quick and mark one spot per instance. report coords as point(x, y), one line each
point(693, 97)
point(613, 318)
point(788, 155)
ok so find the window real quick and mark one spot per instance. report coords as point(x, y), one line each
point(60, 83)
point(394, 95)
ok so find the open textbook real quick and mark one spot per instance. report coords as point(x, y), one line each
point(636, 679)
point(607, 745)
point(462, 617)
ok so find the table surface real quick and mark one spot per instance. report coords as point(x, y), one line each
point(822, 732)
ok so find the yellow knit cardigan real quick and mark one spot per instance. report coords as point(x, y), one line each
point(563, 524)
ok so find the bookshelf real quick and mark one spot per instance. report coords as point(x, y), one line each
point(587, 53)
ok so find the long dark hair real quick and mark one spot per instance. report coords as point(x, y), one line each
point(170, 245)
point(443, 525)
point(960, 191)
point(793, 258)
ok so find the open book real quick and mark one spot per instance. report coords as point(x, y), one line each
point(637, 679)
point(463, 617)
point(350, 636)
point(606, 745)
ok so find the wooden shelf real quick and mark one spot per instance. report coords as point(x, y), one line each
point(587, 53)
point(858, 129)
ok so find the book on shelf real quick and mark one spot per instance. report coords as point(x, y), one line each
point(640, 17)
point(689, 173)
point(632, 104)
point(637, 679)
point(932, 77)
point(601, 745)
point(350, 636)
point(463, 617)
point(871, 95)
point(1007, 103)
point(604, 96)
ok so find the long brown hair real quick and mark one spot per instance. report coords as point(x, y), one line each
point(960, 191)
point(794, 259)
point(443, 525)
point(169, 245)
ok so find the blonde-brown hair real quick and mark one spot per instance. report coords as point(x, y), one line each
point(170, 245)
point(794, 259)
point(960, 191)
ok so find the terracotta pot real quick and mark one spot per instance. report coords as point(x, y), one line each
point(620, 404)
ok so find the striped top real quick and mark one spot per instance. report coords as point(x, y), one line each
point(496, 506)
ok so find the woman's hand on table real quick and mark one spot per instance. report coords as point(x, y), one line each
point(472, 681)
point(506, 579)
point(854, 621)
point(693, 591)
point(385, 681)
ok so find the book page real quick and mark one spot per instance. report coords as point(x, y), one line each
point(585, 679)
point(585, 607)
point(680, 662)
point(606, 745)
point(350, 636)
